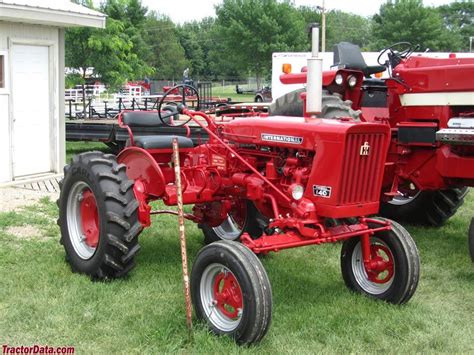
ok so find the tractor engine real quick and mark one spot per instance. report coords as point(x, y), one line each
point(321, 168)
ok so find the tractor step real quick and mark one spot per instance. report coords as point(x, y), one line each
point(457, 136)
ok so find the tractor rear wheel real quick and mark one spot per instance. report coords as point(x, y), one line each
point(432, 208)
point(231, 292)
point(98, 216)
point(470, 239)
point(246, 219)
point(398, 272)
point(333, 106)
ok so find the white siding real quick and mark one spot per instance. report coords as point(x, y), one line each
point(33, 34)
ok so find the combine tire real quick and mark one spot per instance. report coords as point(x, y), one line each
point(470, 239)
point(432, 208)
point(332, 106)
point(249, 220)
point(397, 280)
point(98, 216)
point(231, 292)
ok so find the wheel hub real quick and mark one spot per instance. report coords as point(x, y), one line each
point(228, 295)
point(89, 218)
point(380, 268)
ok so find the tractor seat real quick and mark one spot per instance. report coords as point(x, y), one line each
point(162, 142)
point(147, 118)
point(349, 56)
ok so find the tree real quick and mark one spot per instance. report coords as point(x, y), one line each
point(458, 17)
point(168, 57)
point(251, 30)
point(408, 20)
point(109, 52)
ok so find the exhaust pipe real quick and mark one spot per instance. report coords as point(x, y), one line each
point(314, 87)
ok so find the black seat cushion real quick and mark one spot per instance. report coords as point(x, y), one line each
point(148, 118)
point(161, 142)
point(348, 55)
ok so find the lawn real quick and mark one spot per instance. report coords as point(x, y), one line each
point(228, 91)
point(42, 302)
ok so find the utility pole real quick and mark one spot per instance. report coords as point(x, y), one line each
point(323, 29)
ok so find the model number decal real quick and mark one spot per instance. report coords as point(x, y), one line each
point(322, 191)
point(282, 139)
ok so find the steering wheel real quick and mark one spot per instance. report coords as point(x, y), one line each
point(407, 47)
point(186, 90)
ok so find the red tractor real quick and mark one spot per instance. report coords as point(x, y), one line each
point(260, 184)
point(429, 104)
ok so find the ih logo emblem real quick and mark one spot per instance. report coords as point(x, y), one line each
point(365, 149)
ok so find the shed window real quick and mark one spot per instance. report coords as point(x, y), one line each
point(2, 71)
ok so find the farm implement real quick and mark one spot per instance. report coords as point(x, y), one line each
point(429, 104)
point(259, 184)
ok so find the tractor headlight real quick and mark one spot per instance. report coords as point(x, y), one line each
point(297, 191)
point(351, 81)
point(339, 79)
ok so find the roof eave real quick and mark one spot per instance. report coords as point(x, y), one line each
point(49, 17)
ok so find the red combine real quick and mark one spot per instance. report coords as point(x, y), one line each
point(271, 183)
point(429, 104)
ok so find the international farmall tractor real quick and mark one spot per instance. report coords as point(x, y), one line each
point(259, 185)
point(429, 104)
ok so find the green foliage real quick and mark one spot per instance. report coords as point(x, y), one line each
point(346, 27)
point(115, 52)
point(168, 57)
point(409, 20)
point(251, 30)
point(73, 79)
point(458, 17)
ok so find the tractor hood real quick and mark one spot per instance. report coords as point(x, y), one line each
point(295, 132)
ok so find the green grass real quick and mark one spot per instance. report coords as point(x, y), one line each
point(42, 302)
point(229, 91)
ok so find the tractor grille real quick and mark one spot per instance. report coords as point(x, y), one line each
point(362, 168)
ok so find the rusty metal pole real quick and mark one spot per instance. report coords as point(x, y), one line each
point(182, 236)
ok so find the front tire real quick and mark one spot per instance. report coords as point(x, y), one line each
point(98, 216)
point(396, 280)
point(231, 292)
point(431, 208)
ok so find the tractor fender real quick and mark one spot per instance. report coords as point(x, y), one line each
point(141, 166)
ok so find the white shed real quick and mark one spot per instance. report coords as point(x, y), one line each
point(32, 122)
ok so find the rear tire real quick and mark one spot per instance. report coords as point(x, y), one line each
point(470, 239)
point(231, 292)
point(333, 106)
point(395, 284)
point(99, 234)
point(431, 208)
point(253, 224)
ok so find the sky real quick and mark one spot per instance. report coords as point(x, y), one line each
point(187, 10)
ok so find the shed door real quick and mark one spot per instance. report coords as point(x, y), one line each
point(31, 112)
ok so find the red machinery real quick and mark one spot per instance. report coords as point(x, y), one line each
point(272, 183)
point(429, 105)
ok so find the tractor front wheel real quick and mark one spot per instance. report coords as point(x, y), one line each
point(396, 271)
point(231, 292)
point(98, 216)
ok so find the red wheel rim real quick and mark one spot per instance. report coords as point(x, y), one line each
point(89, 218)
point(227, 294)
point(381, 265)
